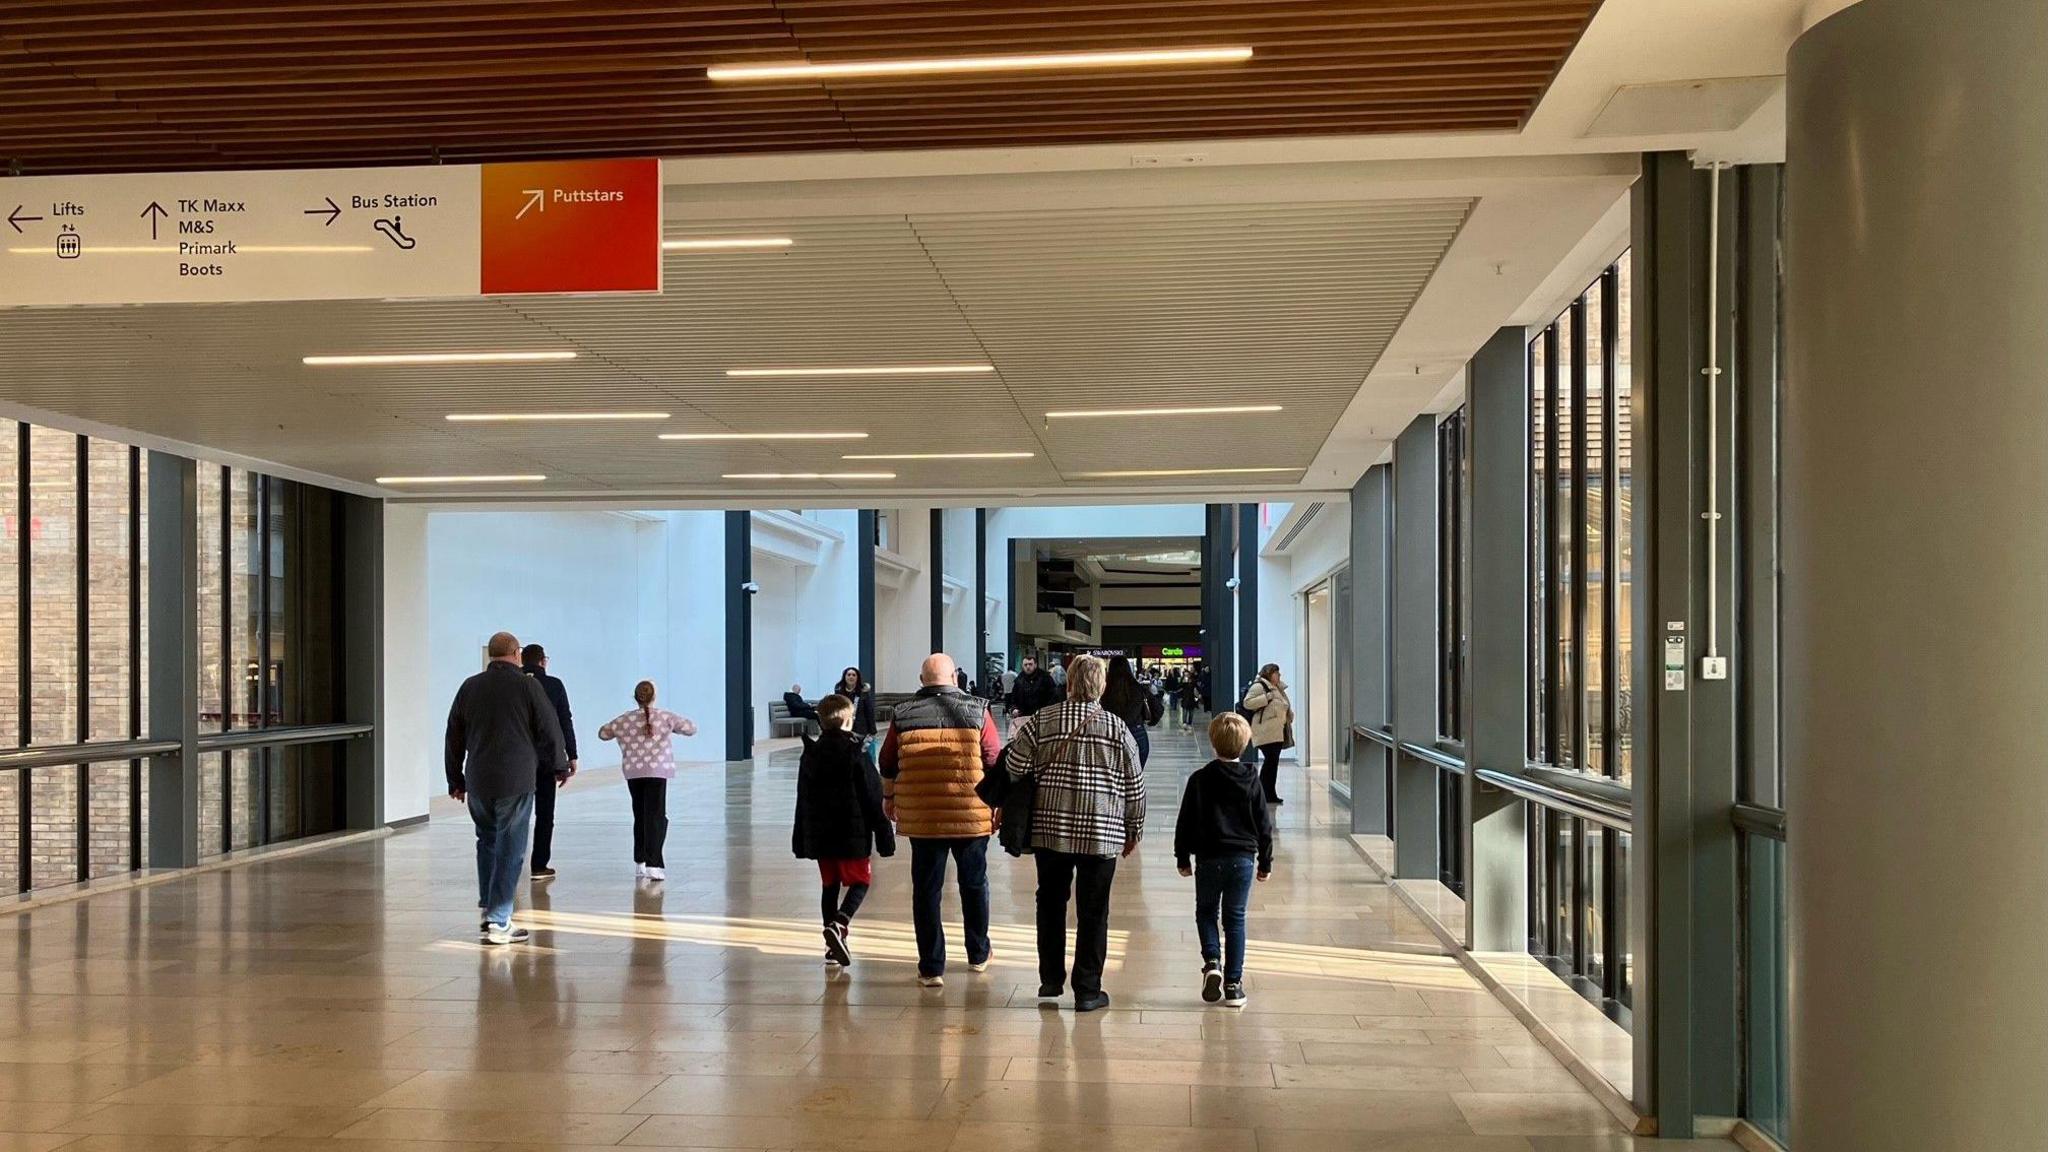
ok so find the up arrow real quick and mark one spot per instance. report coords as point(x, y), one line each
point(154, 213)
point(535, 198)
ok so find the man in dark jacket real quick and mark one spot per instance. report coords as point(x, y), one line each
point(502, 733)
point(533, 661)
point(1035, 690)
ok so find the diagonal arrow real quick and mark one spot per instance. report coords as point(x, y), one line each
point(154, 212)
point(332, 211)
point(535, 198)
point(15, 218)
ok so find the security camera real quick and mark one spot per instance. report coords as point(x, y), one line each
point(1232, 583)
point(751, 588)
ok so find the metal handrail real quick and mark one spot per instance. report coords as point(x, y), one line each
point(283, 736)
point(1605, 789)
point(1602, 812)
point(98, 752)
point(1760, 820)
point(1383, 737)
point(1434, 757)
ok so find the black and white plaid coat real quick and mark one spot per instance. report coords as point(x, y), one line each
point(1091, 788)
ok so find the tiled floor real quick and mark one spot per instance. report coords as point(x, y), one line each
point(340, 1001)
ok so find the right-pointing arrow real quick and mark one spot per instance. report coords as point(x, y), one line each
point(332, 211)
point(535, 198)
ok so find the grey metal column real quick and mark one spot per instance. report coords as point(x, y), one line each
point(739, 636)
point(1684, 906)
point(1416, 823)
point(1915, 539)
point(938, 574)
point(1249, 658)
point(174, 660)
point(1219, 628)
point(981, 597)
point(362, 647)
point(1497, 409)
point(864, 580)
point(1371, 591)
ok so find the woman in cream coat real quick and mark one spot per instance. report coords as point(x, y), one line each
point(1272, 716)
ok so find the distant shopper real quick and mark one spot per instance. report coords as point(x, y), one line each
point(533, 660)
point(839, 821)
point(1272, 725)
point(1224, 837)
point(1132, 701)
point(854, 686)
point(1058, 672)
point(502, 736)
point(1033, 690)
point(939, 744)
point(799, 708)
point(1090, 809)
point(648, 761)
point(1189, 695)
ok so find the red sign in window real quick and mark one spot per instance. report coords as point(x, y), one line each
point(572, 226)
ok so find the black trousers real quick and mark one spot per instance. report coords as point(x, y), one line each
point(1088, 879)
point(543, 822)
point(650, 820)
point(1269, 772)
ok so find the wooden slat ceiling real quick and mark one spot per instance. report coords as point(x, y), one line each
point(99, 85)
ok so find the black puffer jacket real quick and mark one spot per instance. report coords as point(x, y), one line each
point(839, 802)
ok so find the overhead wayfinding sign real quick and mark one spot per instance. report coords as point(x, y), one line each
point(331, 234)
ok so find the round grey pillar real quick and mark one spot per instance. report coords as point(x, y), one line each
point(1915, 545)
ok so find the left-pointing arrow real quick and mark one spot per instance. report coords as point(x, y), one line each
point(16, 219)
point(154, 212)
point(332, 211)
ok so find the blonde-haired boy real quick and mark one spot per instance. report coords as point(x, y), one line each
point(1224, 838)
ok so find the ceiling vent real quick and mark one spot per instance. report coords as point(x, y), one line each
point(1308, 516)
point(1685, 107)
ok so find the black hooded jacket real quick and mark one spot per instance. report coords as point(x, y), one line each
point(839, 801)
point(1224, 813)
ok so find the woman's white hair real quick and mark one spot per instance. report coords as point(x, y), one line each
point(1086, 676)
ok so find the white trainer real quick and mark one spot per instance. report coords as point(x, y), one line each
point(640, 871)
point(657, 873)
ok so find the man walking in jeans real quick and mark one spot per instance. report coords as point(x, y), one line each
point(938, 746)
point(501, 731)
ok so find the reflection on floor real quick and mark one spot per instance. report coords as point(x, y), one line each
point(340, 1001)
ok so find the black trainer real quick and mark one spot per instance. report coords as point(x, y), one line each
point(1212, 981)
point(835, 946)
point(543, 873)
point(1049, 993)
point(1233, 995)
point(1091, 1002)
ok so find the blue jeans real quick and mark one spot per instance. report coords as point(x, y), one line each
point(1223, 884)
point(1144, 744)
point(927, 885)
point(501, 827)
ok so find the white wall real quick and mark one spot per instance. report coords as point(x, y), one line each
point(775, 632)
point(412, 728)
point(827, 637)
point(959, 557)
point(694, 635)
point(570, 581)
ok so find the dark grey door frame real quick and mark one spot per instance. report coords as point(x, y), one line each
point(1417, 823)
point(739, 635)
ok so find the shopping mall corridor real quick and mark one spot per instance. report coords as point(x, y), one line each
point(340, 999)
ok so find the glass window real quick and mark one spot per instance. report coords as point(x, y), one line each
point(108, 579)
point(1539, 516)
point(10, 604)
point(1591, 454)
point(1624, 519)
point(1562, 476)
point(54, 690)
point(1451, 585)
point(212, 630)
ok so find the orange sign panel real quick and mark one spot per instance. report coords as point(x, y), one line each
point(572, 226)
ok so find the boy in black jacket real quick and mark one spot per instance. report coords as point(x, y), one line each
point(839, 820)
point(1227, 830)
